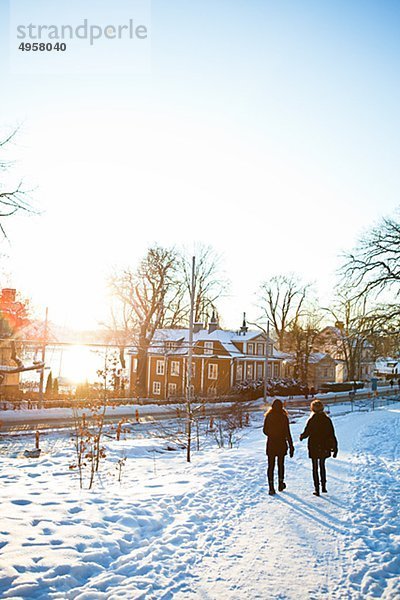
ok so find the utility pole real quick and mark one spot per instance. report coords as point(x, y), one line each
point(189, 366)
point(44, 344)
point(266, 365)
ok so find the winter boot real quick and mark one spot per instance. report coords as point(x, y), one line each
point(271, 488)
point(323, 489)
point(281, 486)
point(316, 492)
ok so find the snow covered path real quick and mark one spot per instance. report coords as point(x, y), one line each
point(343, 545)
point(208, 530)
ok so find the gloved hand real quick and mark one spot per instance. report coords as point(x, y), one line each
point(334, 455)
point(291, 452)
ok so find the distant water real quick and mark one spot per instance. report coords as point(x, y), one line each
point(76, 364)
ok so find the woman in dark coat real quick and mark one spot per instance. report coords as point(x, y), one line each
point(276, 428)
point(321, 443)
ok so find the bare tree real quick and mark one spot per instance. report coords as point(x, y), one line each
point(300, 340)
point(145, 295)
point(374, 265)
point(209, 281)
point(157, 294)
point(282, 298)
point(13, 197)
point(349, 340)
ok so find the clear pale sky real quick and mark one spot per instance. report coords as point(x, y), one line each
point(267, 129)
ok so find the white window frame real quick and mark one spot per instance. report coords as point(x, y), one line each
point(249, 372)
point(208, 347)
point(213, 371)
point(157, 388)
point(276, 370)
point(250, 348)
point(260, 349)
point(174, 368)
point(239, 371)
point(172, 389)
point(160, 367)
point(260, 371)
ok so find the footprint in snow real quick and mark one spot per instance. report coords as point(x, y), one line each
point(21, 502)
point(75, 509)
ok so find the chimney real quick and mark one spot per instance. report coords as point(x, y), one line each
point(213, 324)
point(197, 327)
point(244, 329)
point(8, 295)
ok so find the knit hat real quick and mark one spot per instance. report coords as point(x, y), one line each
point(317, 406)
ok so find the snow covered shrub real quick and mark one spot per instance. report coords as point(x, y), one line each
point(251, 390)
point(228, 428)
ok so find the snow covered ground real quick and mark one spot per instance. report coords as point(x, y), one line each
point(208, 529)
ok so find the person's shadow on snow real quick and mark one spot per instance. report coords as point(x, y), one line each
point(314, 512)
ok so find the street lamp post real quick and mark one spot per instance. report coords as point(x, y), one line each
point(266, 365)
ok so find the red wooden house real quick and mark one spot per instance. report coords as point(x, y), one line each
point(221, 359)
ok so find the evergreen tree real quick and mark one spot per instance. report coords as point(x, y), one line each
point(49, 385)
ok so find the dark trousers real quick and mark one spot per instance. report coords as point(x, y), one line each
point(271, 467)
point(318, 465)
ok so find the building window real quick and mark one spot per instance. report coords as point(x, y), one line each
point(249, 371)
point(260, 371)
point(212, 371)
point(326, 372)
point(260, 349)
point(212, 391)
point(250, 348)
point(175, 367)
point(160, 367)
point(208, 347)
point(239, 371)
point(172, 389)
point(270, 349)
point(276, 370)
point(156, 388)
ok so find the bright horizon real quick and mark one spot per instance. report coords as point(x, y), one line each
point(259, 130)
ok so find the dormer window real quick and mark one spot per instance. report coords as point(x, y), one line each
point(260, 349)
point(208, 347)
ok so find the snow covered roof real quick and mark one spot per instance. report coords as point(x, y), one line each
point(388, 365)
point(177, 340)
point(314, 358)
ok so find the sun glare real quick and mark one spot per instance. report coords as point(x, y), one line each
point(79, 363)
